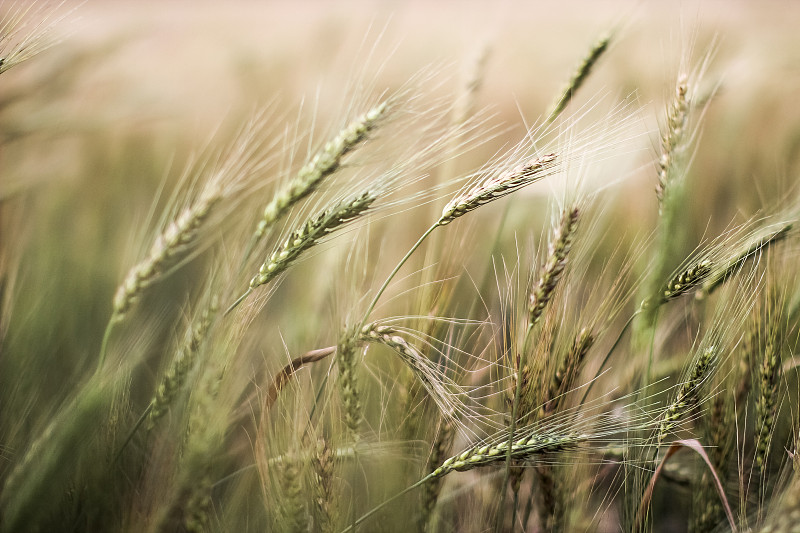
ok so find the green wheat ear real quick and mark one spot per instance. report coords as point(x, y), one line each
point(325, 163)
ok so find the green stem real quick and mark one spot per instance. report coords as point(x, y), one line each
point(387, 502)
point(608, 355)
point(135, 428)
point(238, 301)
point(393, 273)
point(104, 345)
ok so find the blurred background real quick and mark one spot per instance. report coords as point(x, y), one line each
point(107, 119)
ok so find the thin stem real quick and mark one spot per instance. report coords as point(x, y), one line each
point(238, 301)
point(512, 429)
point(608, 355)
point(135, 428)
point(387, 502)
point(393, 273)
point(104, 345)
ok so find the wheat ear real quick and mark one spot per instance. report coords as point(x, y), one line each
point(558, 250)
point(564, 377)
point(430, 495)
point(175, 377)
point(768, 376)
point(688, 394)
point(325, 163)
point(308, 235)
point(685, 281)
point(493, 187)
point(673, 138)
point(168, 247)
point(498, 186)
point(422, 368)
point(756, 245)
point(346, 353)
point(579, 76)
point(293, 511)
point(323, 463)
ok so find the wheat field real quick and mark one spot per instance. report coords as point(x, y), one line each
point(377, 266)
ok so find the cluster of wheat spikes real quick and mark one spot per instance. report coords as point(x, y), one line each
point(550, 393)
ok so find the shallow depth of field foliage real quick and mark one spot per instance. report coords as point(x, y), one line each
point(514, 267)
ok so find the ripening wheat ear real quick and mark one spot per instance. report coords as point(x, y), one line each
point(498, 185)
point(769, 373)
point(346, 354)
point(176, 375)
point(234, 173)
point(535, 442)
